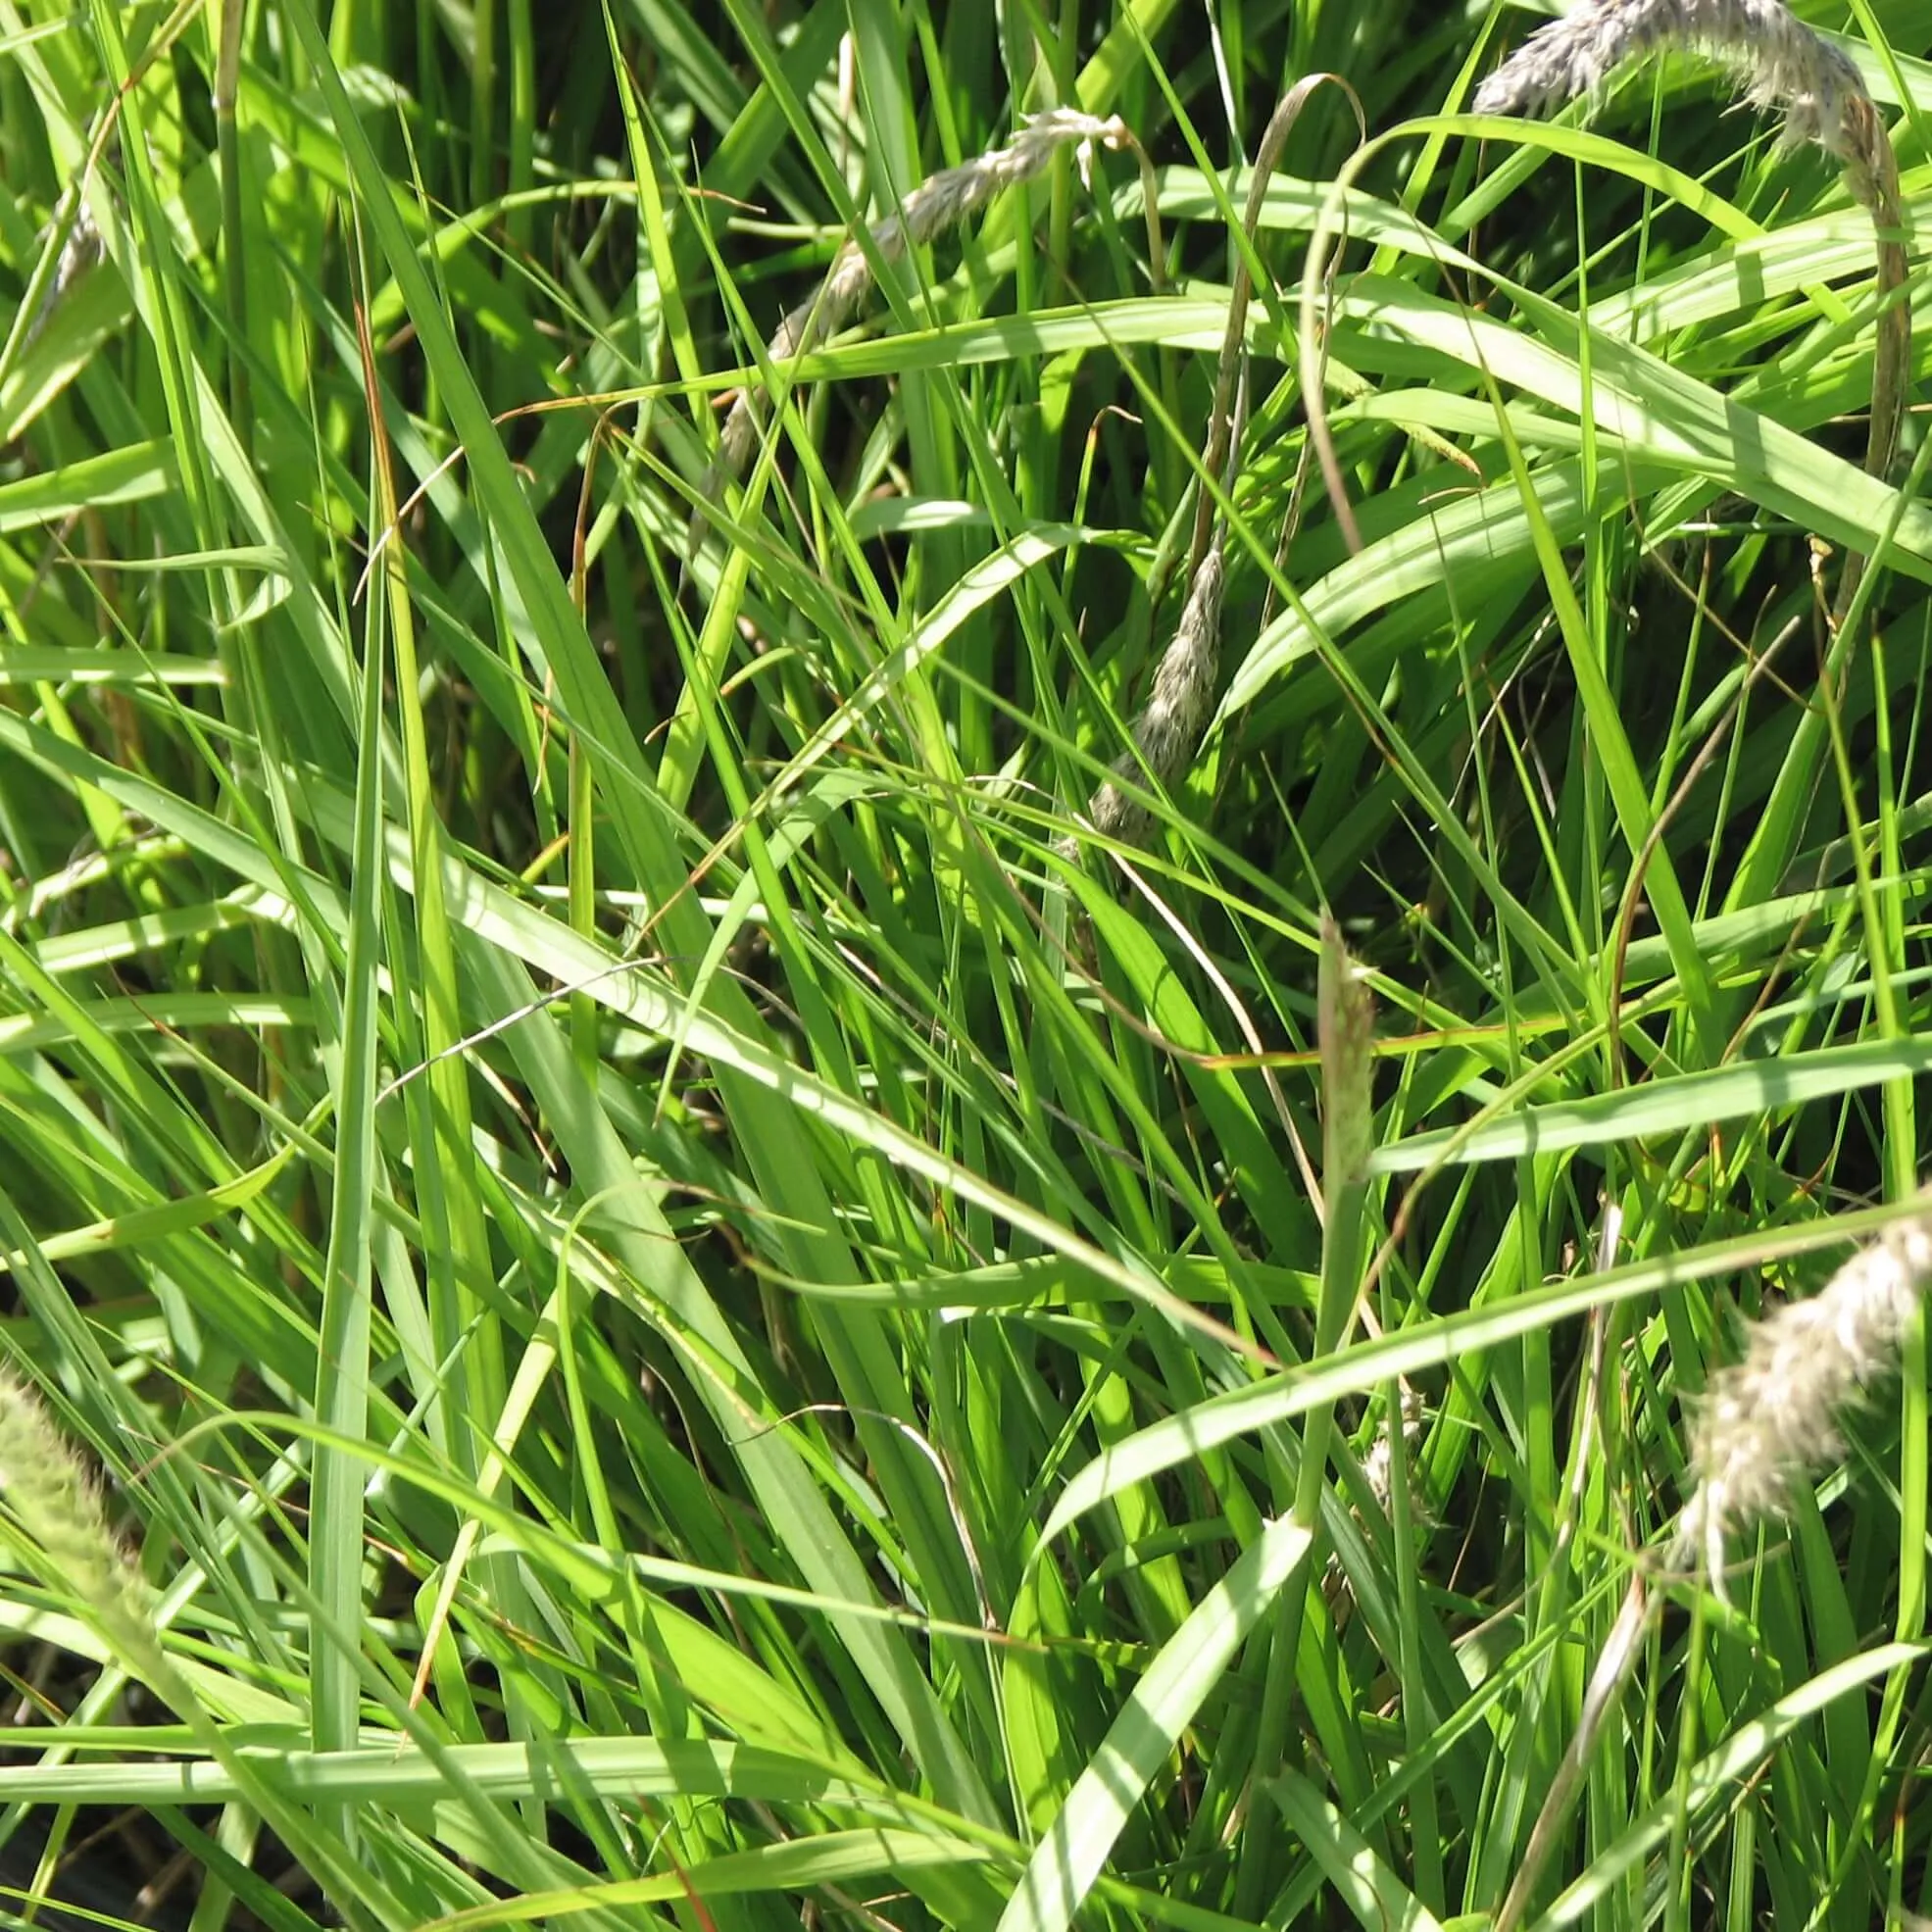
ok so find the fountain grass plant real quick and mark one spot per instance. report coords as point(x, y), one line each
point(893, 1038)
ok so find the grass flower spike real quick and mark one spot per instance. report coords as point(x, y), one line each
point(1780, 62)
point(938, 203)
point(1166, 732)
point(1771, 1419)
point(50, 1496)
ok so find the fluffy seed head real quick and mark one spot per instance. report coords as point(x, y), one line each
point(1772, 1418)
point(52, 1498)
point(1169, 728)
point(938, 203)
point(1777, 59)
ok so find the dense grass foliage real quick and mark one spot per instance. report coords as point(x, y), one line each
point(686, 1314)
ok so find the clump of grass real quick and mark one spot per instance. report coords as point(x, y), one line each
point(748, 1321)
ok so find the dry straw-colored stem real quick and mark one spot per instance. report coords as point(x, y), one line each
point(939, 203)
point(1616, 1662)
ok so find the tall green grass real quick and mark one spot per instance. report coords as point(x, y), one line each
point(685, 1319)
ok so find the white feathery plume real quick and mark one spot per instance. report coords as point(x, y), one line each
point(1779, 59)
point(1780, 63)
point(51, 1512)
point(1765, 1425)
point(938, 203)
point(48, 1492)
point(1769, 1420)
